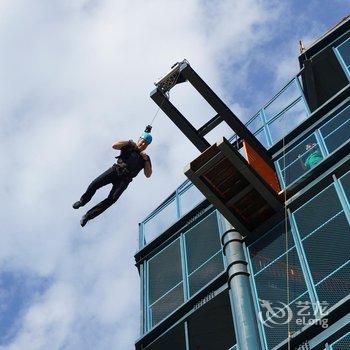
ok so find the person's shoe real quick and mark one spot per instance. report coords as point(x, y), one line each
point(83, 221)
point(77, 205)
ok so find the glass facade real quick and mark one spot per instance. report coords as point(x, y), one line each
point(209, 328)
point(343, 53)
point(299, 268)
point(183, 268)
point(308, 153)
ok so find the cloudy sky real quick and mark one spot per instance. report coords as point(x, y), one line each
point(76, 76)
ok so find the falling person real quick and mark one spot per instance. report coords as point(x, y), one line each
point(130, 162)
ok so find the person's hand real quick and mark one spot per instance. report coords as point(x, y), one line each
point(144, 156)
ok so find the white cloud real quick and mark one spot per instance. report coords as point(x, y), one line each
point(76, 76)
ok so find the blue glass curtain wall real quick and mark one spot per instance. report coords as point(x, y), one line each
point(305, 264)
point(210, 327)
point(182, 269)
point(343, 53)
point(312, 150)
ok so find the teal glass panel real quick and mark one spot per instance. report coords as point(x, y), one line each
point(337, 130)
point(190, 198)
point(255, 123)
point(161, 221)
point(282, 101)
point(165, 282)
point(299, 160)
point(344, 51)
point(203, 250)
point(287, 121)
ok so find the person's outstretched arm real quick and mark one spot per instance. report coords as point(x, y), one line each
point(148, 166)
point(120, 144)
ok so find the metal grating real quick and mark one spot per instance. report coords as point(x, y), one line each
point(345, 181)
point(202, 241)
point(207, 272)
point(342, 344)
point(271, 282)
point(167, 304)
point(317, 211)
point(164, 271)
point(336, 131)
point(335, 287)
point(267, 249)
point(328, 247)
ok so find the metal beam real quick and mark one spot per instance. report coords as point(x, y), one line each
point(180, 121)
point(210, 125)
point(220, 107)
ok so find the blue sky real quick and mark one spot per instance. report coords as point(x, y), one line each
point(76, 76)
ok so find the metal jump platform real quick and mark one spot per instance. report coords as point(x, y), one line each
point(244, 189)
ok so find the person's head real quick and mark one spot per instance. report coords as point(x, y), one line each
point(308, 146)
point(144, 140)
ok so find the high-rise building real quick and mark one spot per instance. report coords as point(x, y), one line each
point(283, 183)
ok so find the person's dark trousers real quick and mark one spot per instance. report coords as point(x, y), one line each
point(110, 176)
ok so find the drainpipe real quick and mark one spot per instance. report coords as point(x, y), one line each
point(242, 304)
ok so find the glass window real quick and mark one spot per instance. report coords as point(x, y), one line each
point(255, 123)
point(345, 182)
point(283, 100)
point(344, 51)
point(211, 326)
point(261, 136)
point(165, 282)
point(300, 160)
point(190, 198)
point(174, 339)
point(325, 234)
point(288, 121)
point(203, 249)
point(161, 221)
point(278, 299)
point(343, 343)
point(337, 131)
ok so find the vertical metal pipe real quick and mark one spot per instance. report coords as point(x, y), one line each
point(243, 311)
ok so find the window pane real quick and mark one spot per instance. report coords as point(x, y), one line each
point(288, 121)
point(345, 181)
point(342, 344)
point(174, 339)
point(164, 271)
point(167, 304)
point(331, 242)
point(190, 198)
point(202, 242)
point(344, 50)
point(211, 326)
point(159, 223)
point(271, 283)
point(335, 287)
point(255, 124)
point(199, 278)
point(337, 130)
point(300, 160)
point(270, 247)
point(317, 211)
point(276, 328)
point(290, 94)
point(261, 136)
